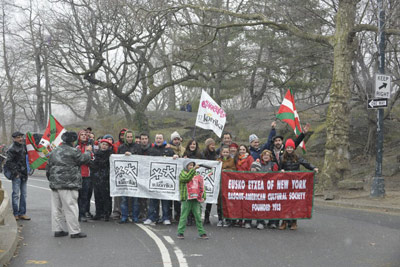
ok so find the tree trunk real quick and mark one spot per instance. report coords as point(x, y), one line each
point(141, 119)
point(4, 137)
point(337, 156)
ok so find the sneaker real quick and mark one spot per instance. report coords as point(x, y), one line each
point(167, 222)
point(273, 226)
point(24, 217)
point(220, 223)
point(204, 236)
point(247, 225)
point(181, 236)
point(88, 215)
point(226, 224)
point(78, 235)
point(260, 226)
point(149, 222)
point(60, 233)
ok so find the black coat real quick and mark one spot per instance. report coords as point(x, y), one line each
point(133, 148)
point(295, 166)
point(161, 150)
point(100, 166)
point(16, 161)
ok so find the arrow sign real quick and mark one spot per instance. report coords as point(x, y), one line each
point(377, 103)
point(382, 86)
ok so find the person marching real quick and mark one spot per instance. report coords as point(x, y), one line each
point(190, 205)
point(291, 162)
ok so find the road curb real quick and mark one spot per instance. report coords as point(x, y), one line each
point(8, 232)
point(347, 204)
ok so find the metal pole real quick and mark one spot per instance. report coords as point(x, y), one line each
point(378, 182)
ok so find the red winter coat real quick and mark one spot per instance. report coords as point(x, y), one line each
point(244, 162)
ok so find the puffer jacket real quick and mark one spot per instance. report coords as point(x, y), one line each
point(63, 167)
point(161, 150)
point(16, 161)
point(295, 166)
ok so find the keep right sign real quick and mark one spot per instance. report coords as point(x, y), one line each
point(382, 86)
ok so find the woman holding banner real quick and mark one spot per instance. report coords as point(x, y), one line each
point(291, 162)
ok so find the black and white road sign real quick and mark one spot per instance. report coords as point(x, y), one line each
point(382, 86)
point(377, 103)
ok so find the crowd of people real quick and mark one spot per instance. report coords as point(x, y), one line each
point(80, 167)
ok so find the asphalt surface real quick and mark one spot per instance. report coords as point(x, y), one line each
point(333, 237)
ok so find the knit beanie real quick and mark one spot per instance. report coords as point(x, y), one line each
point(256, 165)
point(290, 142)
point(108, 136)
point(209, 141)
point(234, 145)
point(175, 135)
point(252, 138)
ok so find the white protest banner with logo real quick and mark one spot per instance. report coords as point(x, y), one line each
point(158, 177)
point(210, 115)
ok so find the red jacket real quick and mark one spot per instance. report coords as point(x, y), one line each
point(244, 162)
point(85, 171)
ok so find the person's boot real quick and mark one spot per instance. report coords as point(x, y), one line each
point(294, 226)
point(283, 225)
point(207, 217)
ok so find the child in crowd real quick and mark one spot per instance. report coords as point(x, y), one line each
point(233, 150)
point(228, 164)
point(291, 162)
point(192, 151)
point(189, 205)
point(268, 165)
point(100, 171)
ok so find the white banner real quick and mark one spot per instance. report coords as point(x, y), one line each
point(158, 177)
point(210, 115)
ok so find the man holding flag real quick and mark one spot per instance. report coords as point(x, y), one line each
point(287, 113)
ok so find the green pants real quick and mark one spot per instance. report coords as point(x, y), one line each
point(187, 206)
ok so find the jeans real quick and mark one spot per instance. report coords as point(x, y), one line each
point(125, 208)
point(19, 196)
point(154, 209)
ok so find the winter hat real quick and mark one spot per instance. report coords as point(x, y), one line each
point(16, 134)
point(252, 138)
point(175, 135)
point(108, 136)
point(209, 141)
point(106, 141)
point(186, 162)
point(234, 145)
point(256, 165)
point(290, 142)
point(276, 137)
point(69, 137)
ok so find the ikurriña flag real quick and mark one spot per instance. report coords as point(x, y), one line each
point(51, 138)
point(52, 135)
point(37, 159)
point(288, 113)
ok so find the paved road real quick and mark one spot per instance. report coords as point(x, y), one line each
point(334, 237)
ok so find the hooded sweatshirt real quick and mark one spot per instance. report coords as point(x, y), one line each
point(85, 170)
point(126, 147)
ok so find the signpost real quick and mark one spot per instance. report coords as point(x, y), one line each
point(383, 83)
